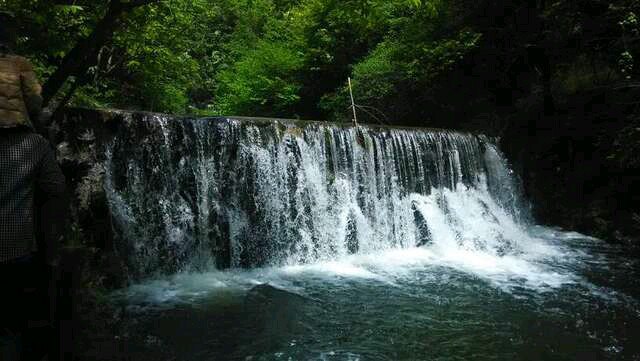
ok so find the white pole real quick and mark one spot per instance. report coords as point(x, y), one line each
point(353, 104)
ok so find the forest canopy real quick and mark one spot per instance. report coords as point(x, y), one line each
point(291, 58)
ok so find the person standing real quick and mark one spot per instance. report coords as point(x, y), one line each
point(32, 205)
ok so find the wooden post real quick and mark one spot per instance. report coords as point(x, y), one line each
point(353, 104)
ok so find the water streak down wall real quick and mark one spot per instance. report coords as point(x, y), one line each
point(188, 194)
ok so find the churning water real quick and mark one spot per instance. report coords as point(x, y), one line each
point(267, 240)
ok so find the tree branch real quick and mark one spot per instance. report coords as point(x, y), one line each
point(84, 53)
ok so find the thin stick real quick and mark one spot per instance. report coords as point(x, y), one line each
point(353, 104)
point(377, 110)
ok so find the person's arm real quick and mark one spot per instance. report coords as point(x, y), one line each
point(31, 89)
point(53, 209)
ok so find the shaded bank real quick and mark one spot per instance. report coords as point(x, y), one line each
point(580, 165)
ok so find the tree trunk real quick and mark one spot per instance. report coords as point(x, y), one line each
point(78, 60)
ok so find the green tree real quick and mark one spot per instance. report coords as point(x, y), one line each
point(262, 82)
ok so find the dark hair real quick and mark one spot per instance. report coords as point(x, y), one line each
point(7, 31)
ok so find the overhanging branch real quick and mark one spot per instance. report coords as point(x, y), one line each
point(84, 53)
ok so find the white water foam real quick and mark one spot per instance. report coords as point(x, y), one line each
point(536, 272)
point(321, 203)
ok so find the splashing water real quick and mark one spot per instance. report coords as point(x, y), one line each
point(235, 193)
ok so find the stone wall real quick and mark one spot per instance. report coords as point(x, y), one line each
point(80, 137)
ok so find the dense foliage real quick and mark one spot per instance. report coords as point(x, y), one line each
point(251, 57)
point(292, 57)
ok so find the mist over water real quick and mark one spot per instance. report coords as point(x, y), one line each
point(274, 240)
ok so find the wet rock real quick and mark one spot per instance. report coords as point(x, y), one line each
point(276, 315)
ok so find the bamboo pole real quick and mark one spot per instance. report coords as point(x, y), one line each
point(353, 104)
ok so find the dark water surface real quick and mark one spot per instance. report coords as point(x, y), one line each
point(575, 299)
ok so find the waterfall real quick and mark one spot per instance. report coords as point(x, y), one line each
point(191, 194)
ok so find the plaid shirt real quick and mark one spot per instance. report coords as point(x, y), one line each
point(27, 166)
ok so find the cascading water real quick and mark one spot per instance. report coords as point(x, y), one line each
point(281, 240)
point(237, 193)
